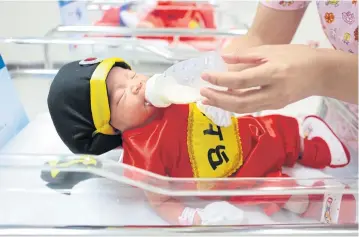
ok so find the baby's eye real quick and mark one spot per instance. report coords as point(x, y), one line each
point(134, 76)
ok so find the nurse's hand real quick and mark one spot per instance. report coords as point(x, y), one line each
point(276, 75)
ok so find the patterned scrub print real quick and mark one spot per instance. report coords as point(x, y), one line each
point(339, 20)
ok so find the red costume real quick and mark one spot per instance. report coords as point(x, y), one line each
point(183, 142)
point(182, 15)
point(168, 14)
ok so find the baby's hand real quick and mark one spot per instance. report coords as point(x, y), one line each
point(221, 213)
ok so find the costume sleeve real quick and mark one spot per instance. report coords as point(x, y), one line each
point(285, 5)
point(154, 147)
point(149, 159)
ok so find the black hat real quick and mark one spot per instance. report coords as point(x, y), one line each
point(79, 107)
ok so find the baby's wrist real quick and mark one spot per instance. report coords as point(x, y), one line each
point(197, 219)
point(189, 216)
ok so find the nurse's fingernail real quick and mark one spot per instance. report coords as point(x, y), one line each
point(262, 60)
point(205, 101)
point(205, 76)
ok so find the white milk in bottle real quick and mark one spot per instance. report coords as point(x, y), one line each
point(181, 83)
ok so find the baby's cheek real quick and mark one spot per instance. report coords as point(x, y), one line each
point(137, 114)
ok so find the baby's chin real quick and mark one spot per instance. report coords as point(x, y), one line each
point(151, 110)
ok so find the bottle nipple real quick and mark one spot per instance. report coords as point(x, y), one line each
point(154, 92)
point(162, 92)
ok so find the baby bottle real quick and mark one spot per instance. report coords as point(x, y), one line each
point(181, 83)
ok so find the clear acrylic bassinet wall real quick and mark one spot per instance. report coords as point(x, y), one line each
point(92, 196)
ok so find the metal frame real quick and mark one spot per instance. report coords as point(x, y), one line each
point(110, 169)
point(137, 44)
point(102, 5)
point(128, 38)
point(280, 230)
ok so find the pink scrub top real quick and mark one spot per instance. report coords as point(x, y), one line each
point(339, 20)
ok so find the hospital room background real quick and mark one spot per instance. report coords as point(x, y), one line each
point(34, 42)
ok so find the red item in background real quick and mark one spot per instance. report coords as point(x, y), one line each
point(179, 15)
point(169, 14)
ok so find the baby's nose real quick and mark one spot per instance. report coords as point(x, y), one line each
point(137, 87)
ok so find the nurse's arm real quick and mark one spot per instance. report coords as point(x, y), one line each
point(340, 75)
point(270, 26)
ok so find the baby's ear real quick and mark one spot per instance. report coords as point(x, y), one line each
point(116, 130)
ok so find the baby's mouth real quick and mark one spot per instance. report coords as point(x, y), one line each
point(147, 103)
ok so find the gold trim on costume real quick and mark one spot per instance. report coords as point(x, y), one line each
point(214, 152)
point(100, 107)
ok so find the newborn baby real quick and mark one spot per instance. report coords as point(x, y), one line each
point(99, 105)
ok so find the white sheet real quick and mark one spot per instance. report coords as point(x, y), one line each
point(25, 199)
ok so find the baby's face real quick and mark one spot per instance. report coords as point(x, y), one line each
point(126, 92)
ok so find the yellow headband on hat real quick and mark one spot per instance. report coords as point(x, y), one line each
point(100, 106)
